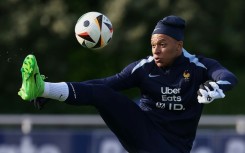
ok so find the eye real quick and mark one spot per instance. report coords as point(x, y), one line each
point(153, 45)
point(163, 45)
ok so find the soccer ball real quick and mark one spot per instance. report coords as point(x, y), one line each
point(93, 30)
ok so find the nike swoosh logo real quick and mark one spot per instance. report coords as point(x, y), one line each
point(35, 78)
point(153, 76)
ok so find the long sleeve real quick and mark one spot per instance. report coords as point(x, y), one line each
point(222, 76)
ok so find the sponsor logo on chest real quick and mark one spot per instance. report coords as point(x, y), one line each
point(170, 99)
point(168, 90)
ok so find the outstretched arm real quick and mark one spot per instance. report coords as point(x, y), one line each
point(219, 80)
point(223, 77)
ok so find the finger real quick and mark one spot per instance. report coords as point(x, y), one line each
point(208, 90)
point(214, 85)
point(202, 87)
point(208, 85)
point(203, 93)
point(199, 93)
point(202, 100)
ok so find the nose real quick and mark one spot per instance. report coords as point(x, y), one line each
point(156, 50)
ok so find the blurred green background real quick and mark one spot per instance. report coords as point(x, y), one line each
point(46, 28)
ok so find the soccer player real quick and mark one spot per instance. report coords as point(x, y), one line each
point(174, 86)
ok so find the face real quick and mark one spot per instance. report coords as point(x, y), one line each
point(165, 49)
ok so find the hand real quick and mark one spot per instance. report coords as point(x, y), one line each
point(209, 91)
point(39, 102)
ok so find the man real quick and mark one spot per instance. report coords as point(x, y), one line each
point(174, 86)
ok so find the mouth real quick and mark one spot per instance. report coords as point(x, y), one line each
point(157, 59)
point(159, 62)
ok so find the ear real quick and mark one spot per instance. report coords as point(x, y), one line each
point(180, 44)
point(179, 47)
